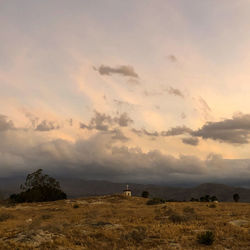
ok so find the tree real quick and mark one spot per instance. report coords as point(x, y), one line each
point(213, 198)
point(145, 194)
point(236, 197)
point(39, 187)
point(38, 180)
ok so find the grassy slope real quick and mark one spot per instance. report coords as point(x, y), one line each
point(117, 222)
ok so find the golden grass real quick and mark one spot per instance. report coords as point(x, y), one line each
point(117, 222)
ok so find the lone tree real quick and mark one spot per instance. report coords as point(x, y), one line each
point(39, 187)
point(145, 194)
point(236, 197)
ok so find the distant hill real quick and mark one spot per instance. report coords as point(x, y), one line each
point(80, 188)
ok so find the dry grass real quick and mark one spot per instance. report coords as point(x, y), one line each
point(117, 222)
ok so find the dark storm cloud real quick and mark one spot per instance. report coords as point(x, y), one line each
point(103, 122)
point(124, 70)
point(5, 124)
point(191, 141)
point(97, 158)
point(235, 130)
point(47, 126)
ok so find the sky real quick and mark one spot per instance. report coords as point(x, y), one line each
point(136, 91)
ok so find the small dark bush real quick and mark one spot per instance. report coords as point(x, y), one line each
point(206, 238)
point(188, 210)
point(137, 235)
point(5, 216)
point(155, 201)
point(177, 218)
point(212, 206)
point(145, 194)
point(76, 206)
point(46, 216)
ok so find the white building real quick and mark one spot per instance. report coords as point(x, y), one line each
point(127, 192)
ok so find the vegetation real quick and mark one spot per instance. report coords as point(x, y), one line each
point(39, 188)
point(145, 194)
point(120, 222)
point(208, 198)
point(236, 197)
point(155, 201)
point(206, 238)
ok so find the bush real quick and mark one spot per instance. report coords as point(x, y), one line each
point(236, 197)
point(76, 206)
point(212, 206)
point(46, 216)
point(39, 188)
point(155, 201)
point(188, 210)
point(5, 216)
point(206, 238)
point(145, 194)
point(177, 218)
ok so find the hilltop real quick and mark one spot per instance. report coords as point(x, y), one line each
point(119, 222)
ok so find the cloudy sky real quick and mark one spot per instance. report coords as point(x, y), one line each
point(140, 91)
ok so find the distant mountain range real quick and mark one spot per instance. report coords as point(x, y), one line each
point(79, 188)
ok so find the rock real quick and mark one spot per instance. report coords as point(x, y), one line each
point(239, 223)
point(29, 220)
point(33, 238)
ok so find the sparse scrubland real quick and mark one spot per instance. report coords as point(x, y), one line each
point(119, 222)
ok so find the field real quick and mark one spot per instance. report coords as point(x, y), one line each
point(118, 222)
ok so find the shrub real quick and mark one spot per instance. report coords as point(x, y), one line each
point(177, 218)
point(188, 210)
point(76, 206)
point(206, 238)
point(236, 197)
point(5, 216)
point(38, 188)
point(145, 194)
point(194, 199)
point(155, 201)
point(46, 216)
point(212, 206)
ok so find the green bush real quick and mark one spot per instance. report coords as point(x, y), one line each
point(155, 201)
point(206, 238)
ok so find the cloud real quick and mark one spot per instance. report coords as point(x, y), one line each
point(174, 91)
point(5, 124)
point(191, 141)
point(235, 130)
point(141, 132)
point(103, 122)
point(47, 126)
point(172, 58)
point(124, 70)
point(118, 135)
point(179, 130)
point(96, 158)
point(123, 120)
